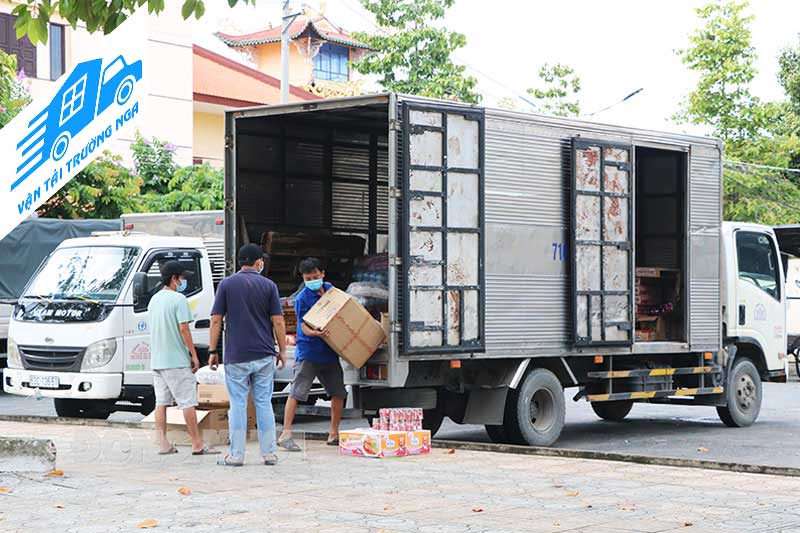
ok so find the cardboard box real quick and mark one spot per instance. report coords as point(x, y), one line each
point(216, 397)
point(213, 426)
point(354, 334)
point(386, 325)
point(372, 443)
point(418, 442)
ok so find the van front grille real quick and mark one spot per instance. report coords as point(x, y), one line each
point(47, 358)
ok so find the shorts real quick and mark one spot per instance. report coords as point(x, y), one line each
point(329, 374)
point(175, 385)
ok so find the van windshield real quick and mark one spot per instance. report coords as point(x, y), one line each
point(91, 273)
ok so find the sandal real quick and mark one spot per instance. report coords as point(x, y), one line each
point(172, 449)
point(289, 444)
point(270, 460)
point(333, 442)
point(229, 461)
point(207, 451)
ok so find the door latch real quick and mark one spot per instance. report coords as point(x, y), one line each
point(742, 315)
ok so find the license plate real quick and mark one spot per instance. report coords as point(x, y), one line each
point(44, 382)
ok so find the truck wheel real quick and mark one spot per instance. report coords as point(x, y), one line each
point(536, 413)
point(743, 394)
point(497, 434)
point(81, 409)
point(615, 411)
point(125, 90)
point(432, 420)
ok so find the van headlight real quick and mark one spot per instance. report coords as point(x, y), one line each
point(14, 357)
point(99, 354)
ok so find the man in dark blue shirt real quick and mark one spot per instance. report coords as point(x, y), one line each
point(313, 358)
point(251, 307)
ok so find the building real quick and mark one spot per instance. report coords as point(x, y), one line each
point(319, 54)
point(221, 83)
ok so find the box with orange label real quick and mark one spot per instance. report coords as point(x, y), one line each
point(372, 443)
point(418, 442)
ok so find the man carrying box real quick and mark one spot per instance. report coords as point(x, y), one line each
point(174, 359)
point(313, 358)
point(250, 305)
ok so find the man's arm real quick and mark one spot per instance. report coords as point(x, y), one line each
point(186, 335)
point(216, 334)
point(279, 327)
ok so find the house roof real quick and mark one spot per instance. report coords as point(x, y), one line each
point(302, 25)
point(220, 80)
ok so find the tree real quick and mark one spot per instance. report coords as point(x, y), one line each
point(105, 188)
point(34, 15)
point(155, 164)
point(559, 96)
point(14, 95)
point(722, 54)
point(413, 56)
point(192, 188)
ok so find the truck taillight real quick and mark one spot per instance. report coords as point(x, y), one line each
point(376, 372)
point(128, 226)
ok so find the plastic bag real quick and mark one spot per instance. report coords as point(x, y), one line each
point(368, 290)
point(206, 376)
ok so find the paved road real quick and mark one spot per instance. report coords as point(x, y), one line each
point(670, 431)
point(113, 480)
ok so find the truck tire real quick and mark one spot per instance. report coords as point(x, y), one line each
point(432, 420)
point(81, 409)
point(535, 412)
point(743, 395)
point(615, 411)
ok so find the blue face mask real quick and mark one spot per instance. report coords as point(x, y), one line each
point(314, 284)
point(182, 285)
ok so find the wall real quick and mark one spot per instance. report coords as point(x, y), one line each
point(209, 138)
point(268, 59)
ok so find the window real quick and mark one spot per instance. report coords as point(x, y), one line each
point(330, 63)
point(758, 262)
point(22, 48)
point(56, 42)
point(73, 100)
point(190, 260)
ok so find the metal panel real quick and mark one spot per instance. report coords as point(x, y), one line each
point(444, 229)
point(705, 220)
point(602, 259)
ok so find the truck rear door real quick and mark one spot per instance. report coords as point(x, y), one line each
point(442, 222)
point(602, 256)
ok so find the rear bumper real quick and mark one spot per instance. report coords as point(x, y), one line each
point(102, 386)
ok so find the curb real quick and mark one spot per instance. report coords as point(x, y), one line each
point(27, 455)
point(678, 462)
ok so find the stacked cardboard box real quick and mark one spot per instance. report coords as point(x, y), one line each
point(377, 443)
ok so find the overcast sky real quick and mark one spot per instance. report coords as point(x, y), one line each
point(616, 46)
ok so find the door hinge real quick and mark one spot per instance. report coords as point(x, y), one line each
point(396, 261)
point(228, 203)
point(394, 125)
point(229, 142)
point(394, 192)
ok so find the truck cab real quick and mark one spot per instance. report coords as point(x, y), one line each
point(79, 336)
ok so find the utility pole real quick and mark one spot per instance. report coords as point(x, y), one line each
point(285, 22)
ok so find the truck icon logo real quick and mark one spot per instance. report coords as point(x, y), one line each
point(142, 325)
point(85, 95)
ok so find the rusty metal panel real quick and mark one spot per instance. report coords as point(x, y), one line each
point(463, 265)
point(425, 211)
point(426, 180)
point(426, 148)
point(463, 205)
point(463, 143)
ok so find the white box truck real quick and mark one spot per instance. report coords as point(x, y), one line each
point(524, 254)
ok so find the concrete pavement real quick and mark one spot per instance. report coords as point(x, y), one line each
point(113, 480)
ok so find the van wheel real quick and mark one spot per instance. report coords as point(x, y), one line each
point(81, 409)
point(743, 395)
point(535, 412)
point(497, 434)
point(615, 411)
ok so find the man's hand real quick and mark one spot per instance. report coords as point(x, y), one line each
point(321, 332)
point(195, 364)
point(213, 361)
point(281, 362)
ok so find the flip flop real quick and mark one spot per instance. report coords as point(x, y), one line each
point(172, 449)
point(289, 444)
point(228, 461)
point(333, 442)
point(270, 460)
point(207, 451)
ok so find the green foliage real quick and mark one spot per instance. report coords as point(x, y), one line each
point(155, 164)
point(193, 188)
point(759, 195)
point(105, 188)
point(105, 15)
point(559, 96)
point(13, 93)
point(414, 56)
point(722, 53)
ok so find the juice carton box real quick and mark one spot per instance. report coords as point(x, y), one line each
point(418, 442)
point(372, 443)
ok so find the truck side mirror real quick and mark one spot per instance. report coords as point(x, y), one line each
point(139, 287)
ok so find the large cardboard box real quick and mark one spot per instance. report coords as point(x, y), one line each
point(216, 397)
point(372, 443)
point(354, 334)
point(213, 426)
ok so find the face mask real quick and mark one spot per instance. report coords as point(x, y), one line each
point(182, 285)
point(314, 284)
point(261, 270)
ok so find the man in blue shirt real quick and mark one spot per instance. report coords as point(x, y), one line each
point(313, 358)
point(251, 307)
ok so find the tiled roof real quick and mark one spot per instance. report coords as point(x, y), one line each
point(301, 25)
point(220, 80)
